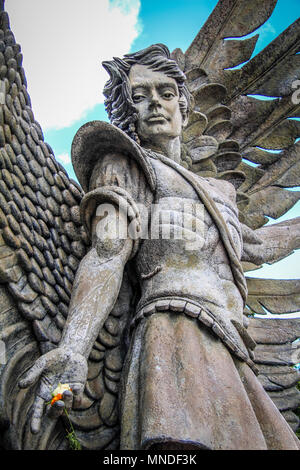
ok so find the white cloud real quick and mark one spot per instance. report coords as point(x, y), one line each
point(266, 29)
point(64, 43)
point(64, 158)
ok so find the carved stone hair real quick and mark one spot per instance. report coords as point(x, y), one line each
point(119, 104)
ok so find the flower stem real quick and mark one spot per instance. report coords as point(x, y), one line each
point(71, 436)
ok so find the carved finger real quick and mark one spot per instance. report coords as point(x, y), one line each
point(31, 376)
point(77, 401)
point(38, 409)
point(56, 409)
point(77, 390)
point(68, 399)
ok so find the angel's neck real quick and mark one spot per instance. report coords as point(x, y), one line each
point(170, 147)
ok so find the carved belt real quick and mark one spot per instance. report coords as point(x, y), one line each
point(194, 310)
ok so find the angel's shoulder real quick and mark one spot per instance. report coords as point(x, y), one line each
point(224, 188)
point(99, 147)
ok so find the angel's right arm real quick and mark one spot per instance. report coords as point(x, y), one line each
point(97, 283)
point(95, 290)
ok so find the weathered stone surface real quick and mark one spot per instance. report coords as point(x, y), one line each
point(276, 296)
point(278, 377)
point(292, 419)
point(192, 310)
point(275, 331)
point(277, 354)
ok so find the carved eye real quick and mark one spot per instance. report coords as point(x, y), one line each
point(168, 95)
point(138, 98)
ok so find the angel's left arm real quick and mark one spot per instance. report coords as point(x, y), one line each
point(271, 243)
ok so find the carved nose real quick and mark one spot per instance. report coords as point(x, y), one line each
point(154, 99)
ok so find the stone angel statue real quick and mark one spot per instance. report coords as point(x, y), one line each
point(154, 330)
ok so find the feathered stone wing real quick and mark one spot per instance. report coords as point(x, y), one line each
point(42, 242)
point(235, 135)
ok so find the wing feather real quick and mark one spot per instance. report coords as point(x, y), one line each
point(274, 296)
point(230, 19)
point(278, 350)
point(272, 71)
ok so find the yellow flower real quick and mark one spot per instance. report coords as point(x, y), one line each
point(61, 388)
point(58, 392)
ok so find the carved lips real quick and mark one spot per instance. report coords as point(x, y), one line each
point(156, 118)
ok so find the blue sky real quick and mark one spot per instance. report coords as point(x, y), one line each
point(172, 22)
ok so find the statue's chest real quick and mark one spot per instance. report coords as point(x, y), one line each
point(169, 183)
point(176, 195)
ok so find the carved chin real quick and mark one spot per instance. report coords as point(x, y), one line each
point(153, 131)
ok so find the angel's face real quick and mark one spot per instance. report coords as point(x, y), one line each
point(156, 99)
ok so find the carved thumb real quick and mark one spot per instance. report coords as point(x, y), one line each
point(31, 376)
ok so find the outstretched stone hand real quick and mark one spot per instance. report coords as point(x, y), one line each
point(60, 365)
